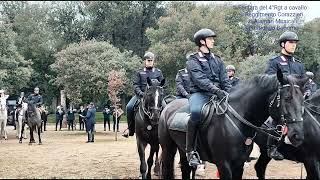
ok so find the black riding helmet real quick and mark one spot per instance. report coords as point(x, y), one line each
point(288, 36)
point(202, 34)
point(148, 55)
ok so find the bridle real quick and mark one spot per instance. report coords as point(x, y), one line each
point(280, 130)
point(149, 112)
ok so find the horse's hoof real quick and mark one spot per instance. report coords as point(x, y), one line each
point(24, 138)
point(30, 143)
point(20, 142)
point(40, 143)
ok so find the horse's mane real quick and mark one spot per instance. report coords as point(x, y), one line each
point(315, 97)
point(267, 83)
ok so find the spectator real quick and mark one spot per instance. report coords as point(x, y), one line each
point(70, 118)
point(119, 114)
point(91, 121)
point(82, 113)
point(59, 116)
point(106, 117)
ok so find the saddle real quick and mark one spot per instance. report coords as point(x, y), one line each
point(209, 109)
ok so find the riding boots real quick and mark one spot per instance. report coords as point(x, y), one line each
point(192, 156)
point(272, 150)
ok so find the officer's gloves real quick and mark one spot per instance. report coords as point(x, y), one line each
point(221, 93)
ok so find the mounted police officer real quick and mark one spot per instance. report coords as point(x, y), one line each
point(208, 76)
point(20, 100)
point(288, 65)
point(311, 86)
point(183, 83)
point(231, 70)
point(36, 99)
point(139, 86)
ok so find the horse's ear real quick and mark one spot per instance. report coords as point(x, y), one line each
point(281, 77)
point(163, 81)
point(149, 81)
point(302, 82)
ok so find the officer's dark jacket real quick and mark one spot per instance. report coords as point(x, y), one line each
point(287, 64)
point(59, 116)
point(182, 82)
point(234, 81)
point(106, 112)
point(140, 81)
point(207, 73)
point(71, 115)
point(37, 99)
point(83, 113)
point(91, 115)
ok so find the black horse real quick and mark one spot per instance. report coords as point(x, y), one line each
point(146, 125)
point(308, 153)
point(226, 139)
point(34, 121)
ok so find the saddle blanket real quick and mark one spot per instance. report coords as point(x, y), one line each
point(180, 119)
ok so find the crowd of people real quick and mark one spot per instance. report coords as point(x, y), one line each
point(86, 119)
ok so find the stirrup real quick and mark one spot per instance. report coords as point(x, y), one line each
point(197, 156)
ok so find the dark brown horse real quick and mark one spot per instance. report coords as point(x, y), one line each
point(308, 153)
point(146, 124)
point(226, 139)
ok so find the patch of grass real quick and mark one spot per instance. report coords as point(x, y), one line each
point(99, 118)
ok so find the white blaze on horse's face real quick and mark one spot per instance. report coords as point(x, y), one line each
point(156, 99)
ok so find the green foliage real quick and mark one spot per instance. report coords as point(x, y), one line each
point(82, 69)
point(123, 23)
point(253, 65)
point(308, 50)
point(15, 71)
point(174, 37)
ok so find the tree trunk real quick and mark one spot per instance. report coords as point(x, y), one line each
point(64, 105)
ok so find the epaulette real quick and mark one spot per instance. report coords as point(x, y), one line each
point(158, 69)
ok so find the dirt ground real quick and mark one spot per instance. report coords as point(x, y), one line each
point(64, 154)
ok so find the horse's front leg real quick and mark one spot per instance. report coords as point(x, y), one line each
point(154, 148)
point(224, 169)
point(143, 165)
point(18, 130)
point(261, 164)
point(156, 169)
point(39, 135)
point(5, 130)
point(21, 132)
point(31, 135)
point(312, 166)
point(237, 169)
